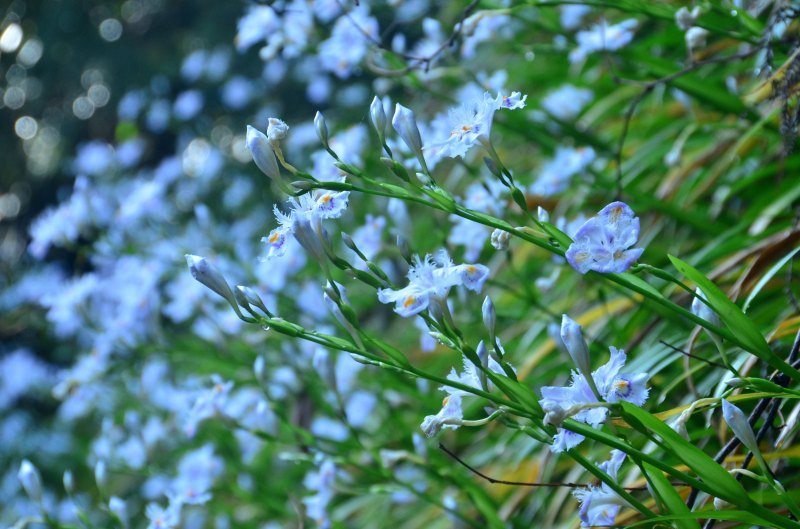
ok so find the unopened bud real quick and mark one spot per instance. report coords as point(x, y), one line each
point(572, 337)
point(500, 240)
point(262, 153)
point(322, 129)
point(442, 339)
point(489, 317)
point(251, 297)
point(303, 185)
point(277, 130)
point(702, 310)
point(29, 478)
point(483, 353)
point(378, 116)
point(396, 168)
point(208, 275)
point(406, 126)
point(405, 251)
point(736, 382)
point(543, 215)
point(720, 504)
point(492, 166)
point(737, 421)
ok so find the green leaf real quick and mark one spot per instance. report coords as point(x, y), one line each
point(709, 471)
point(735, 516)
point(673, 503)
point(737, 322)
point(766, 277)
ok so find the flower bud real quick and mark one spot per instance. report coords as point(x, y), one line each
point(251, 297)
point(277, 130)
point(396, 168)
point(406, 126)
point(492, 166)
point(500, 240)
point(29, 477)
point(378, 116)
point(322, 129)
point(350, 243)
point(576, 346)
point(700, 309)
point(543, 215)
point(208, 275)
point(489, 316)
point(405, 251)
point(302, 185)
point(262, 153)
point(738, 423)
point(736, 382)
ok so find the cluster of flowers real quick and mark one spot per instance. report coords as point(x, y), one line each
point(130, 310)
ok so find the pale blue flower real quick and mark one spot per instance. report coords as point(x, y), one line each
point(576, 400)
point(600, 504)
point(305, 212)
point(430, 279)
point(448, 417)
point(603, 243)
point(161, 518)
point(349, 42)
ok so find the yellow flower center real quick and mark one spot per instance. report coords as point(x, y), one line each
point(410, 300)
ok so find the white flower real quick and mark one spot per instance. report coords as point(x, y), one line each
point(430, 279)
point(303, 218)
point(448, 417)
point(602, 37)
point(277, 130)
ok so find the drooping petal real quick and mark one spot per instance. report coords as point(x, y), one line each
point(412, 304)
point(276, 241)
point(564, 440)
point(473, 276)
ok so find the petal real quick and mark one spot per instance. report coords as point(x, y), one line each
point(564, 440)
point(604, 375)
point(474, 276)
point(411, 304)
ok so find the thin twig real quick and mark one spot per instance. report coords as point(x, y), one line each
point(690, 355)
point(425, 61)
point(521, 483)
